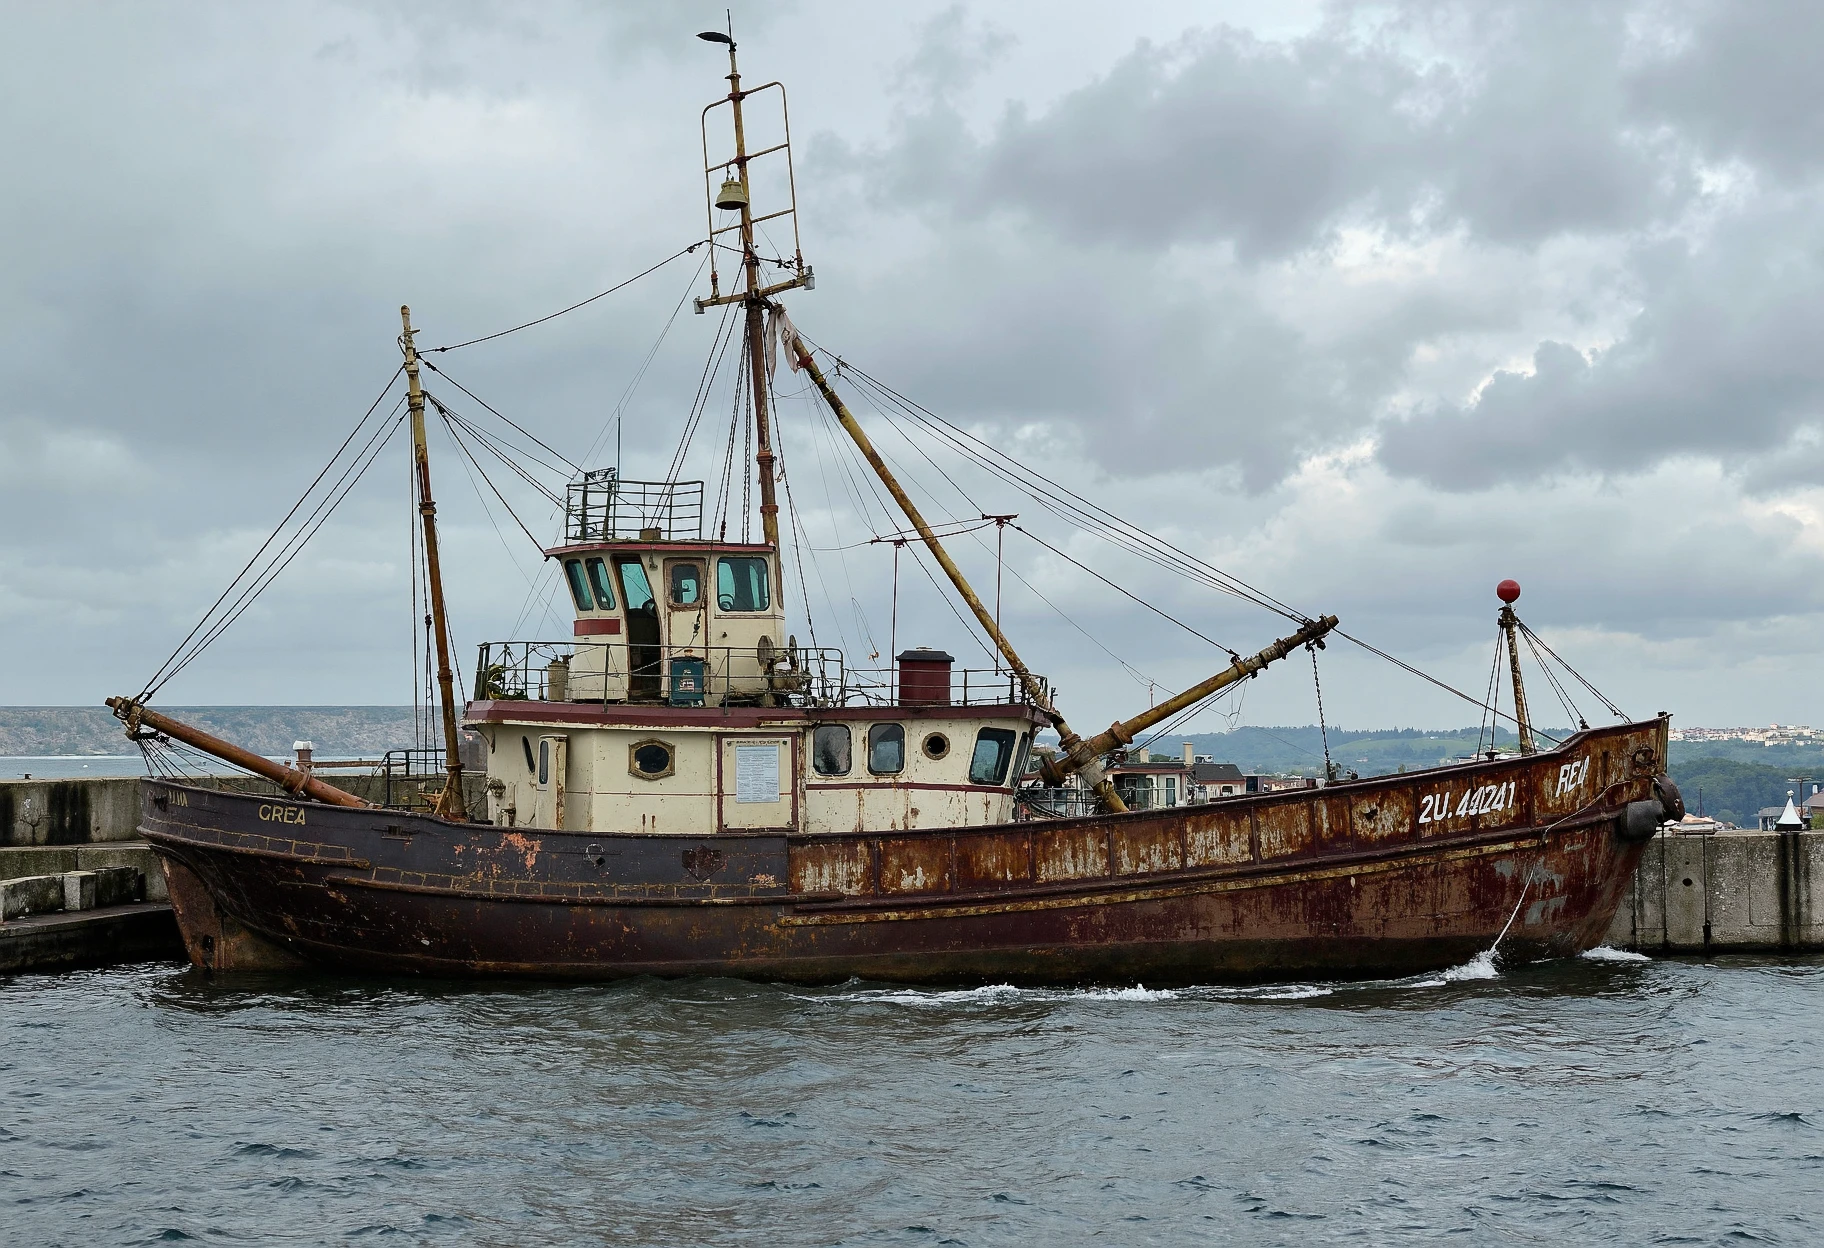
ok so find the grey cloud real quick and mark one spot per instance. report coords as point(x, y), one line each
point(1722, 360)
point(1520, 132)
point(1744, 84)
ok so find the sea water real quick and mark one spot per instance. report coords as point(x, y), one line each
point(1605, 1099)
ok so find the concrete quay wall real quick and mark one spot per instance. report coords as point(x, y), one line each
point(96, 809)
point(1737, 889)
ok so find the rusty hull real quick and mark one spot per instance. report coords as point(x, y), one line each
point(1389, 876)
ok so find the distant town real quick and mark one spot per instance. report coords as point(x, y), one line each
point(1772, 734)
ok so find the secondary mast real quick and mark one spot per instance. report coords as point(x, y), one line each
point(449, 802)
point(736, 195)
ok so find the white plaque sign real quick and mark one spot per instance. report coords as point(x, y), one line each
point(757, 772)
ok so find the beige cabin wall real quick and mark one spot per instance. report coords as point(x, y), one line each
point(603, 795)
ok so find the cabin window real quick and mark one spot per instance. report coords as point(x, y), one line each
point(530, 764)
point(686, 584)
point(651, 760)
point(579, 589)
point(598, 581)
point(634, 586)
point(1023, 759)
point(993, 751)
point(886, 749)
point(936, 745)
point(544, 762)
point(831, 749)
point(742, 584)
point(1171, 790)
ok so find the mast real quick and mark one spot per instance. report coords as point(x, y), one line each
point(1508, 591)
point(449, 802)
point(736, 195)
point(755, 309)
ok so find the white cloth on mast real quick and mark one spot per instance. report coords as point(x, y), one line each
point(779, 330)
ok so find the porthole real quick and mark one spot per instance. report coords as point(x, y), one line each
point(936, 745)
point(651, 759)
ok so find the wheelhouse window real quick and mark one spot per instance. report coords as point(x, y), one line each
point(598, 581)
point(886, 749)
point(993, 751)
point(579, 588)
point(635, 586)
point(831, 750)
point(686, 584)
point(742, 584)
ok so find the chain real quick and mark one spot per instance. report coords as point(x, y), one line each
point(1323, 731)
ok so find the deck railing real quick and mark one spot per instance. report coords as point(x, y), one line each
point(598, 506)
point(585, 671)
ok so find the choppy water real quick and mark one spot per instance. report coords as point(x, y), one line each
point(1599, 1100)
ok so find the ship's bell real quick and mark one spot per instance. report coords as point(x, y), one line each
point(732, 196)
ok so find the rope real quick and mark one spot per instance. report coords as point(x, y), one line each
point(457, 346)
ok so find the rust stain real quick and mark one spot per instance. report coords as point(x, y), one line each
point(1285, 830)
point(1218, 838)
point(526, 846)
point(1073, 853)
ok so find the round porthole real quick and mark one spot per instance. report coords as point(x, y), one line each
point(651, 760)
point(937, 745)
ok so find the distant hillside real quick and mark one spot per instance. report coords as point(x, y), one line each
point(346, 730)
point(1734, 791)
point(1375, 752)
point(1370, 752)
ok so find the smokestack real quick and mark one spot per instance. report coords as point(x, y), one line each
point(1189, 758)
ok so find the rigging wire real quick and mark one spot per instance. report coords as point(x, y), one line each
point(639, 375)
point(1564, 697)
point(161, 675)
point(314, 522)
point(457, 346)
point(1494, 691)
point(1064, 502)
point(1433, 680)
point(1578, 676)
point(471, 461)
point(536, 440)
point(1234, 657)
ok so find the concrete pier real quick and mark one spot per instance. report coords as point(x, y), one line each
point(76, 887)
point(1738, 889)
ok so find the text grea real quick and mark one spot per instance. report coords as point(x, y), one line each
point(1436, 807)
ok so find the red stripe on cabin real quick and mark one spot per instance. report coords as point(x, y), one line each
point(595, 628)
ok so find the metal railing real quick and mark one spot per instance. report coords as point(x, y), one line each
point(968, 687)
point(583, 671)
point(618, 671)
point(599, 506)
point(405, 775)
point(1044, 803)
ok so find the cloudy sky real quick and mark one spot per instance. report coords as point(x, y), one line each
point(1370, 306)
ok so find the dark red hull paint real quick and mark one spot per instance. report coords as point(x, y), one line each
point(1346, 881)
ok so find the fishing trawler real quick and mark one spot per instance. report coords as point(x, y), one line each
point(680, 788)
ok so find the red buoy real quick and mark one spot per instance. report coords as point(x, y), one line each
point(1508, 590)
